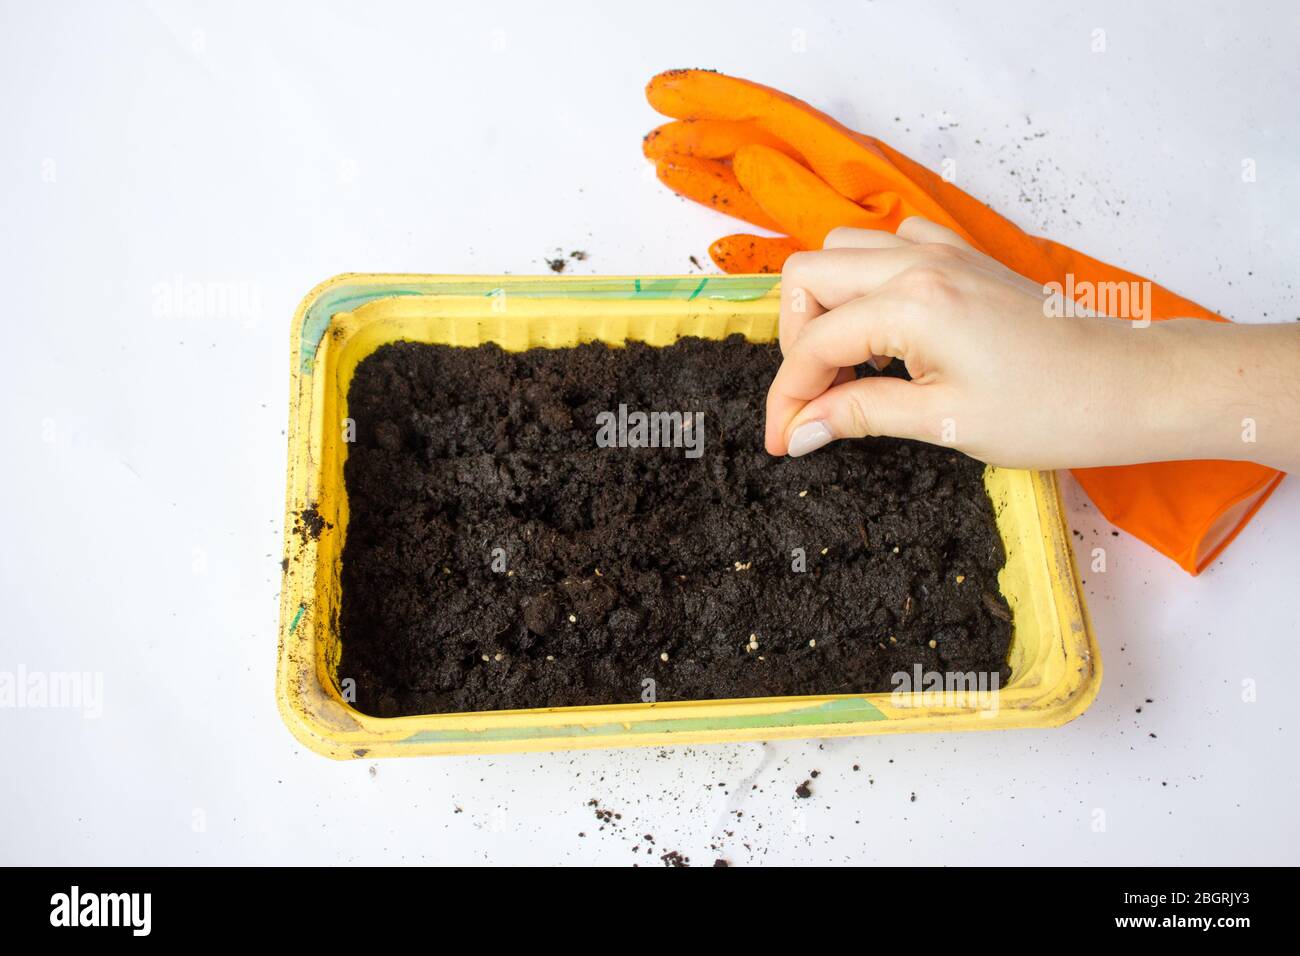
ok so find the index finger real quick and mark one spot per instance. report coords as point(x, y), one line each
point(796, 308)
point(843, 336)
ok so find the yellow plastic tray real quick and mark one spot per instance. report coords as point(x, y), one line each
point(1055, 667)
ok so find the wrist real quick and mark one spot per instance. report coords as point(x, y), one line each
point(1179, 391)
point(1222, 391)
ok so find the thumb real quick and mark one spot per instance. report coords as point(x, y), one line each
point(873, 406)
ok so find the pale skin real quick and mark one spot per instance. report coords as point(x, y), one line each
point(995, 377)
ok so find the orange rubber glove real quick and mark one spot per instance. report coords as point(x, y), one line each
point(776, 162)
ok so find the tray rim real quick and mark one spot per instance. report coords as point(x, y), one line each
point(319, 719)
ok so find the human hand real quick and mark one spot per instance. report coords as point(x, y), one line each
point(992, 374)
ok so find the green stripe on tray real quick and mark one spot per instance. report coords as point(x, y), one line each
point(348, 297)
point(846, 711)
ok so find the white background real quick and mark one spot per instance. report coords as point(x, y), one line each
point(270, 146)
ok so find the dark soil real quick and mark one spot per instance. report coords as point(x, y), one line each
point(310, 523)
point(625, 566)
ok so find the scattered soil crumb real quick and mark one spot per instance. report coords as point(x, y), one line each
point(560, 263)
point(310, 524)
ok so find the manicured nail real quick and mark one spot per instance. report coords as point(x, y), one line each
point(809, 437)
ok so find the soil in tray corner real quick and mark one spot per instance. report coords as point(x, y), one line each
point(498, 558)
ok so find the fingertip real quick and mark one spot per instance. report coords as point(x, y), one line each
point(911, 223)
point(793, 263)
point(808, 436)
point(922, 230)
point(776, 416)
point(773, 435)
point(838, 237)
point(774, 438)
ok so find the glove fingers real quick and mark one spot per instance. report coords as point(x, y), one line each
point(800, 201)
point(713, 184)
point(703, 94)
point(849, 161)
point(853, 164)
point(743, 253)
point(709, 139)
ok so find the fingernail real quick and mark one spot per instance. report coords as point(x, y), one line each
point(809, 437)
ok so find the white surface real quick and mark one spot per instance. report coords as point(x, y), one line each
point(270, 146)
